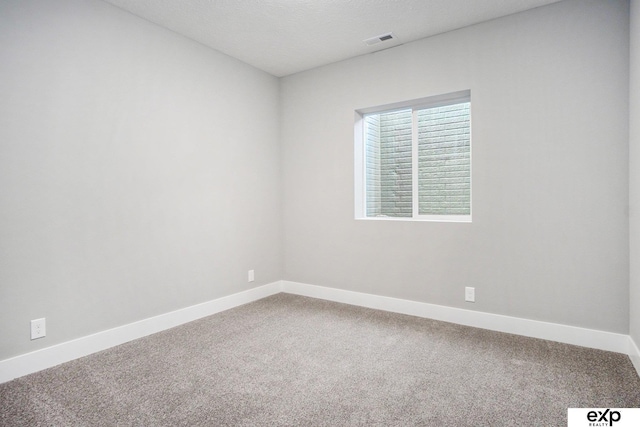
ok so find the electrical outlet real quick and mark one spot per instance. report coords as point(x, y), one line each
point(38, 328)
point(251, 276)
point(470, 294)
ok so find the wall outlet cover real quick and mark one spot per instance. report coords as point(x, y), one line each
point(470, 294)
point(38, 328)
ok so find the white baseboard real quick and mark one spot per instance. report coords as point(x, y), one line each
point(634, 354)
point(51, 356)
point(530, 328)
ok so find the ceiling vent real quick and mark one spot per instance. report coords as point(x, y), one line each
point(379, 39)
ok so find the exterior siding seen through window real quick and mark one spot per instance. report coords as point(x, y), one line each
point(439, 137)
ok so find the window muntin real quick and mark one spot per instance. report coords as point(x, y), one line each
point(416, 160)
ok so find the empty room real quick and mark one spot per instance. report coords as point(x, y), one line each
point(319, 212)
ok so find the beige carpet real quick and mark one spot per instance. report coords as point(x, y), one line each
point(290, 360)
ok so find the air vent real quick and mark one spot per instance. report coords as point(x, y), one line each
point(379, 39)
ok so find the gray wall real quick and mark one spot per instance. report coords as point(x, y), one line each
point(139, 171)
point(549, 238)
point(634, 171)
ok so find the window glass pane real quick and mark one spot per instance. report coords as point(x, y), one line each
point(388, 164)
point(444, 160)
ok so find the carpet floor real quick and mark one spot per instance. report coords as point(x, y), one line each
point(294, 361)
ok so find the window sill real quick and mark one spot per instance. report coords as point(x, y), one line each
point(426, 218)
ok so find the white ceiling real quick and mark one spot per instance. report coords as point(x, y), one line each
point(283, 37)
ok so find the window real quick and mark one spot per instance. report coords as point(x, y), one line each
point(413, 160)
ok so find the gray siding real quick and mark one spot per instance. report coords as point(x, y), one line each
point(444, 174)
point(444, 160)
point(389, 170)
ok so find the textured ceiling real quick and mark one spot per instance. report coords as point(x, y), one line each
point(283, 37)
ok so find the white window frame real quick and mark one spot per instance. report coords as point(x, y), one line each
point(360, 161)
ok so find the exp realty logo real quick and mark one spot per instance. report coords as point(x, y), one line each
point(608, 417)
point(603, 417)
